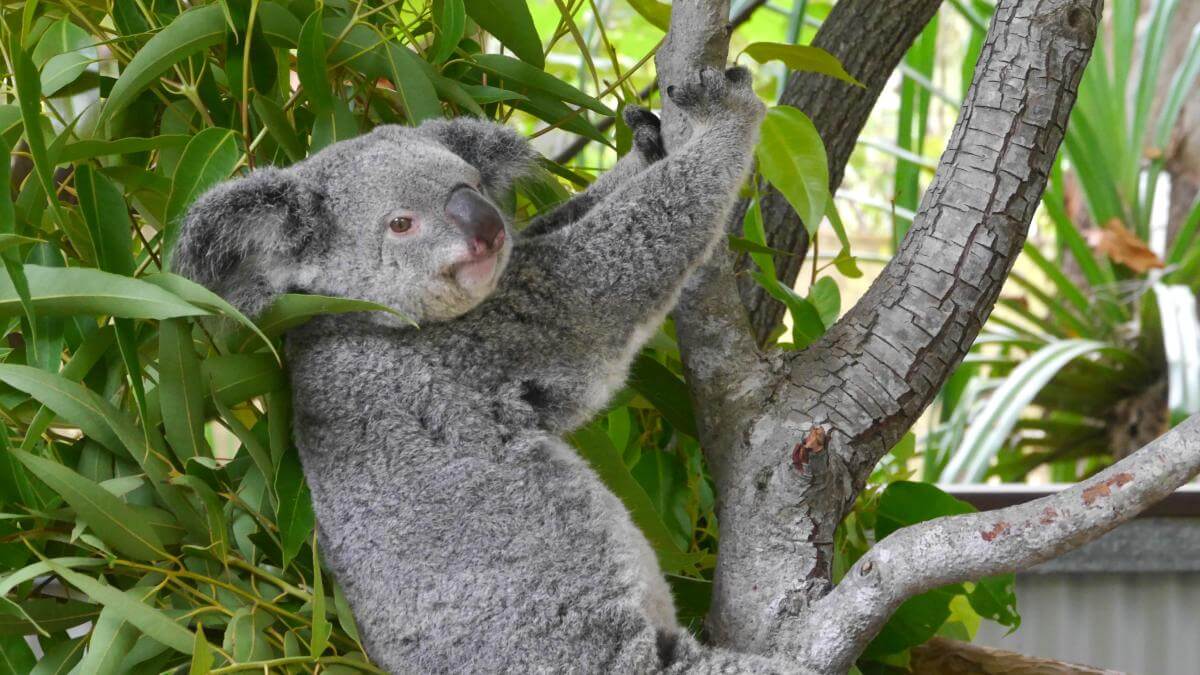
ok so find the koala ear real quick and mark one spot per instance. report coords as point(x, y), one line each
point(248, 239)
point(499, 153)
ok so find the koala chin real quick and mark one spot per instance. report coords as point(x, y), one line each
point(466, 534)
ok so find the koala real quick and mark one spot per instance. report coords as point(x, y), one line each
point(466, 534)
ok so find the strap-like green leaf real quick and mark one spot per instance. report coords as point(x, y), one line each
point(76, 290)
point(109, 517)
point(191, 31)
point(149, 620)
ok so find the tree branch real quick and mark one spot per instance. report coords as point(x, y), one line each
point(870, 377)
point(797, 464)
point(951, 657)
point(949, 550)
point(869, 37)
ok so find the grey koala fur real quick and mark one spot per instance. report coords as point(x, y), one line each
point(465, 533)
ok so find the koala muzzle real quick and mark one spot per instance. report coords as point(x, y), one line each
point(477, 218)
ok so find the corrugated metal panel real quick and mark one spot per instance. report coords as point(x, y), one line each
point(1143, 624)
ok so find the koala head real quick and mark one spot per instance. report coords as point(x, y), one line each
point(401, 216)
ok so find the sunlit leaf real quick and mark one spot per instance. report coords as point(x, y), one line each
point(792, 158)
point(193, 30)
point(800, 57)
point(511, 23)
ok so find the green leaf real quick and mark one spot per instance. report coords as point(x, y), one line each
point(414, 86)
point(450, 17)
point(241, 377)
point(70, 400)
point(338, 124)
point(103, 422)
point(46, 616)
point(110, 518)
point(657, 13)
point(208, 159)
point(218, 530)
point(990, 428)
point(63, 53)
point(665, 391)
point(826, 299)
point(321, 628)
point(516, 72)
point(595, 446)
point(295, 513)
point(742, 245)
point(291, 310)
point(29, 97)
point(16, 658)
point(914, 622)
point(792, 158)
point(202, 654)
point(180, 390)
point(190, 32)
point(89, 148)
point(60, 659)
point(149, 620)
point(279, 127)
point(311, 67)
point(56, 291)
point(107, 217)
point(197, 295)
point(802, 58)
point(244, 637)
point(905, 503)
point(111, 639)
point(995, 598)
point(511, 23)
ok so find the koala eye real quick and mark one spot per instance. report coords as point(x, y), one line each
point(400, 224)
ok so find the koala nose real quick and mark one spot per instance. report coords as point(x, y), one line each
point(477, 218)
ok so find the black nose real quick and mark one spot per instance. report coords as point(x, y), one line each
point(476, 217)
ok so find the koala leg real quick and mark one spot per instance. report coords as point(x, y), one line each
point(624, 262)
point(647, 149)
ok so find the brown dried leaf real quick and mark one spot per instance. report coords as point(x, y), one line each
point(1124, 247)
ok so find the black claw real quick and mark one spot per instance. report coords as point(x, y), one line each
point(637, 117)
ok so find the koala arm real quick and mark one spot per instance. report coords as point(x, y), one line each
point(624, 262)
point(647, 149)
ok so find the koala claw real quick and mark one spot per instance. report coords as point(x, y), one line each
point(710, 94)
point(647, 133)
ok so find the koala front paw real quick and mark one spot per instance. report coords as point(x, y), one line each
point(647, 133)
point(709, 95)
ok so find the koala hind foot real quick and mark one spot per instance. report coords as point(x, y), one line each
point(710, 95)
point(647, 133)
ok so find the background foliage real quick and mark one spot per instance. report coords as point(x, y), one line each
point(153, 514)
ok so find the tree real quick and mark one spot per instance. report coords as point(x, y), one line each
point(117, 384)
point(792, 439)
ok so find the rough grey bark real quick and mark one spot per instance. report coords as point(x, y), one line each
point(869, 38)
point(791, 441)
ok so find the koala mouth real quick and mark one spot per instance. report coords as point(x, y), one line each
point(476, 270)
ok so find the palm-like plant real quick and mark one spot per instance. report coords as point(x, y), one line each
point(1098, 360)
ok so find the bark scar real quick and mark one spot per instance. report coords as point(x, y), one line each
point(813, 443)
point(997, 530)
point(1105, 489)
